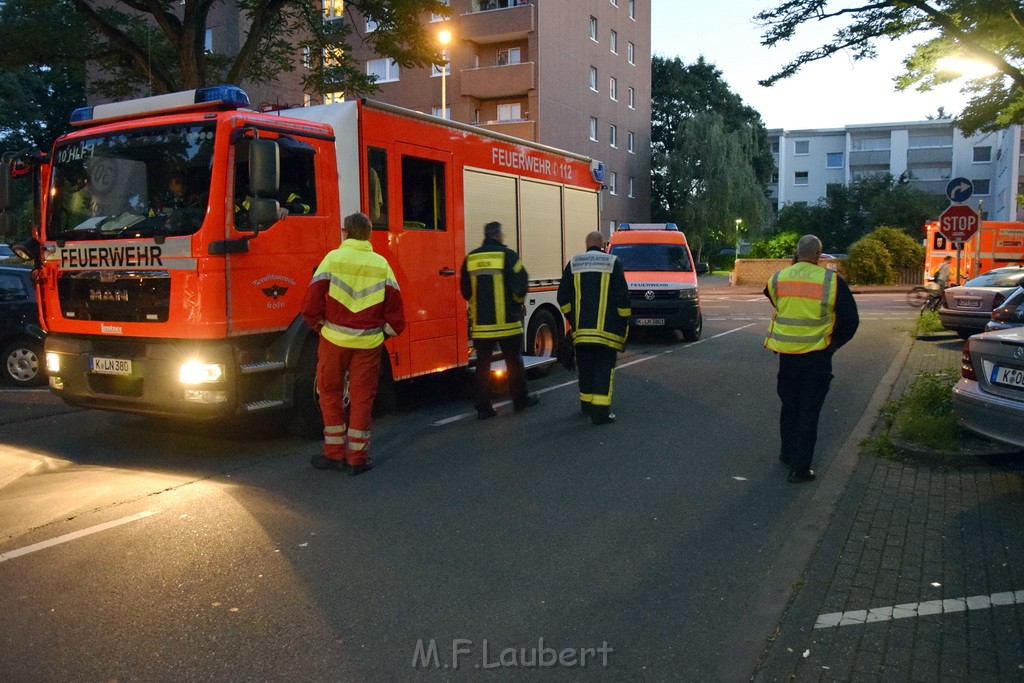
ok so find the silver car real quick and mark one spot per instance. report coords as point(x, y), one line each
point(989, 398)
point(968, 308)
point(1010, 314)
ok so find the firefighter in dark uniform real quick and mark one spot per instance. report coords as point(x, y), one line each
point(815, 314)
point(594, 297)
point(494, 282)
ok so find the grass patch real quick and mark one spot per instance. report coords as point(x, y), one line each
point(928, 323)
point(922, 416)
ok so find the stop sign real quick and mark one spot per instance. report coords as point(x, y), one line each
point(959, 222)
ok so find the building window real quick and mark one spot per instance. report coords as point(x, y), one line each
point(631, 97)
point(307, 61)
point(208, 42)
point(630, 138)
point(333, 9)
point(981, 186)
point(384, 70)
point(371, 25)
point(801, 178)
point(612, 182)
point(436, 111)
point(593, 29)
point(613, 135)
point(801, 147)
point(436, 70)
point(775, 146)
point(630, 193)
point(593, 129)
point(613, 89)
point(632, 9)
point(593, 78)
point(982, 154)
point(509, 112)
point(331, 57)
point(614, 42)
point(834, 160)
point(615, 2)
point(509, 56)
point(630, 52)
point(332, 97)
point(440, 17)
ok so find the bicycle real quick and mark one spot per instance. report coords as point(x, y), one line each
point(927, 297)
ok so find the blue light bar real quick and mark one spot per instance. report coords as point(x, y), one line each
point(221, 97)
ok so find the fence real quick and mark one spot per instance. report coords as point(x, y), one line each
point(750, 271)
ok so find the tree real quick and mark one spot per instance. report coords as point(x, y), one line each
point(159, 45)
point(41, 79)
point(989, 31)
point(711, 160)
point(848, 212)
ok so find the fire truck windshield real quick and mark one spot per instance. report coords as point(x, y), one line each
point(149, 182)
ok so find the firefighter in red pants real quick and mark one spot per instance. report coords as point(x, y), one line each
point(353, 302)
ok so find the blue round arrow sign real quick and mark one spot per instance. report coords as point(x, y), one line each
point(959, 189)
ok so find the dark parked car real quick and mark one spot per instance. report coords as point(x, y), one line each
point(968, 308)
point(1010, 314)
point(989, 398)
point(21, 337)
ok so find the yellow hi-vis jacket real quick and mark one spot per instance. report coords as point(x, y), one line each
point(804, 295)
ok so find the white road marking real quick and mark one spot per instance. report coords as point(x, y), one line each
point(644, 359)
point(73, 536)
point(919, 609)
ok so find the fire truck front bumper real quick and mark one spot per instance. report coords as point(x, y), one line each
point(179, 378)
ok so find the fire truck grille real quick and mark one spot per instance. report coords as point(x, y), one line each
point(124, 296)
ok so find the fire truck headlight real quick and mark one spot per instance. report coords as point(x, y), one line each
point(196, 372)
point(52, 363)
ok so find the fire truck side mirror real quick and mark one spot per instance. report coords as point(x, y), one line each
point(264, 168)
point(263, 213)
point(6, 186)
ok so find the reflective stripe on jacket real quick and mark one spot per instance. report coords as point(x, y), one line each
point(354, 297)
point(594, 296)
point(804, 295)
point(494, 281)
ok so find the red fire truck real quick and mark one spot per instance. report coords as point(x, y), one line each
point(170, 280)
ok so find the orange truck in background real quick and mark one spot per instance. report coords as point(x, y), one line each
point(997, 243)
point(170, 283)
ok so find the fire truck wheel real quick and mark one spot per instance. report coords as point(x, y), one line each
point(542, 339)
point(304, 419)
point(387, 396)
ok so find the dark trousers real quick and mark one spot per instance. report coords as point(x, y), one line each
point(595, 364)
point(510, 349)
point(803, 383)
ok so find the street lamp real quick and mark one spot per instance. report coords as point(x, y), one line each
point(444, 37)
point(739, 228)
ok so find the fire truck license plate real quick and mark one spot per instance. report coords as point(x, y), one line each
point(649, 322)
point(1010, 377)
point(111, 366)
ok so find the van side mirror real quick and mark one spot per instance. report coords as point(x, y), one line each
point(703, 268)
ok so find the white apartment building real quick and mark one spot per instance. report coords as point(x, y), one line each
point(931, 153)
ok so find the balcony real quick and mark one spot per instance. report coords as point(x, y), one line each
point(492, 82)
point(874, 157)
point(930, 155)
point(497, 25)
point(519, 128)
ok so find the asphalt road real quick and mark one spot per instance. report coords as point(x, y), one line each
point(662, 547)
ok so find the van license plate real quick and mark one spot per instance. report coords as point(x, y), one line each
point(111, 366)
point(1008, 377)
point(649, 322)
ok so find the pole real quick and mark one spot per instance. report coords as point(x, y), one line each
point(444, 93)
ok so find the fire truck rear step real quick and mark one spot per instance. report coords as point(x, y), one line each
point(261, 366)
point(257, 406)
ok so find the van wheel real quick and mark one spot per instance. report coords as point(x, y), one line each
point(542, 339)
point(692, 334)
point(304, 419)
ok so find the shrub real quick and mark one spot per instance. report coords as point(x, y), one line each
point(869, 263)
point(904, 250)
point(780, 245)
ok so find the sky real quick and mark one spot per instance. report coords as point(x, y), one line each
point(831, 93)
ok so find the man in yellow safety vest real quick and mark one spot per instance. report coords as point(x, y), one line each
point(815, 314)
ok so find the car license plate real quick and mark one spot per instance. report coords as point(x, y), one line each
point(111, 366)
point(968, 303)
point(1009, 377)
point(649, 322)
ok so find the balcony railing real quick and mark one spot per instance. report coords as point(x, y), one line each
point(520, 128)
point(499, 24)
point(492, 82)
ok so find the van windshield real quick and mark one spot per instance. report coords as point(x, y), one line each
point(653, 257)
